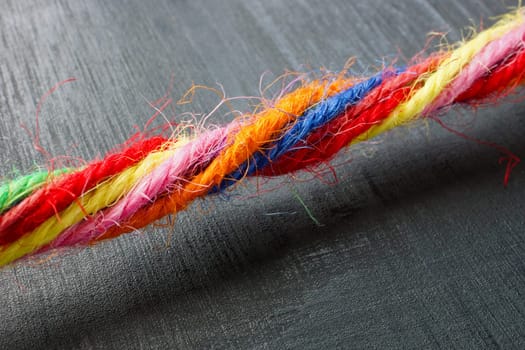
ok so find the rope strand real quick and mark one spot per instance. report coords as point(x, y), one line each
point(154, 177)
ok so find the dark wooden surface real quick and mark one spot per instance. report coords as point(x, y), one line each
point(421, 246)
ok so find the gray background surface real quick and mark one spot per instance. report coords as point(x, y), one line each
point(421, 245)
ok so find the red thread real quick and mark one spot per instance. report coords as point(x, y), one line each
point(323, 144)
point(498, 81)
point(509, 157)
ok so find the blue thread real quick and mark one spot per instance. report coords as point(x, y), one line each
point(312, 119)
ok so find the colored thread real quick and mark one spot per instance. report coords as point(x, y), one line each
point(312, 119)
point(15, 190)
point(56, 196)
point(246, 142)
point(489, 56)
point(439, 80)
point(509, 74)
point(184, 163)
point(465, 87)
point(106, 194)
point(327, 140)
point(201, 183)
point(154, 177)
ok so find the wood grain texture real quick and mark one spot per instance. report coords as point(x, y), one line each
point(421, 247)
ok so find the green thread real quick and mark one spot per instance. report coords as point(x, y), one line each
point(308, 211)
point(14, 191)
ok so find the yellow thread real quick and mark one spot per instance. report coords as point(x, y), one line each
point(98, 198)
point(445, 73)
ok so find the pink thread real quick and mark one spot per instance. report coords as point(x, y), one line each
point(185, 161)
